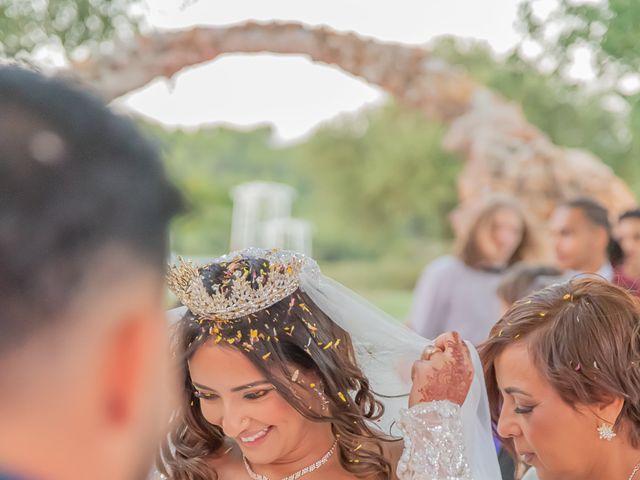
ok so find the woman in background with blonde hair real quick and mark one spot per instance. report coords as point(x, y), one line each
point(458, 292)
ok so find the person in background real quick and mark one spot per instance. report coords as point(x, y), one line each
point(582, 238)
point(84, 367)
point(458, 292)
point(627, 234)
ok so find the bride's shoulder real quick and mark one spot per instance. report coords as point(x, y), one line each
point(227, 462)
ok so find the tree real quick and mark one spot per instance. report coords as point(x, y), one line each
point(607, 28)
point(68, 24)
point(608, 31)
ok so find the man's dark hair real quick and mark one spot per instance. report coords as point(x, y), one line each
point(635, 213)
point(592, 210)
point(75, 179)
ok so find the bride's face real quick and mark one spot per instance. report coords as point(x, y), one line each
point(236, 396)
point(562, 442)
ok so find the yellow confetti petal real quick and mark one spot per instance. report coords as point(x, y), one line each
point(342, 397)
point(266, 355)
point(328, 345)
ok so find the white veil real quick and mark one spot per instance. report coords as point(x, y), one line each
point(385, 352)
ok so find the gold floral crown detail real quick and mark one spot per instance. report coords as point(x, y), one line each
point(242, 293)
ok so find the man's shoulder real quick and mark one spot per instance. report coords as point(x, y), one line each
point(12, 476)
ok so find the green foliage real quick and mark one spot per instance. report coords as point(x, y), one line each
point(569, 114)
point(367, 193)
point(207, 164)
point(383, 180)
point(608, 30)
point(27, 24)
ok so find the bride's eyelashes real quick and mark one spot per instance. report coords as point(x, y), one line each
point(255, 395)
point(258, 394)
point(524, 410)
point(205, 395)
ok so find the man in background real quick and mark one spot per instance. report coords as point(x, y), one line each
point(582, 237)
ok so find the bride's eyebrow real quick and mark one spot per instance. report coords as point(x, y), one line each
point(251, 385)
point(235, 389)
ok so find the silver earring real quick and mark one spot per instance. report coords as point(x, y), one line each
point(606, 432)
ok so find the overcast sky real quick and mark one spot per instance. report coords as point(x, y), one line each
point(290, 92)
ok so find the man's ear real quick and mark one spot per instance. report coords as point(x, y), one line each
point(602, 236)
point(127, 356)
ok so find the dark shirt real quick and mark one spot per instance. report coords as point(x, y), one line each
point(8, 476)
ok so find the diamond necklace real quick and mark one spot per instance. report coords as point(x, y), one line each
point(299, 473)
point(634, 471)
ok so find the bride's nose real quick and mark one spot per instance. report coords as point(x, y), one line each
point(233, 421)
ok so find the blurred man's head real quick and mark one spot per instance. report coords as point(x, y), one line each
point(581, 234)
point(84, 210)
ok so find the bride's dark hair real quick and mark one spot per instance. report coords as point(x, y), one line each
point(307, 340)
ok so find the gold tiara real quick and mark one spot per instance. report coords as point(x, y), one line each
point(244, 293)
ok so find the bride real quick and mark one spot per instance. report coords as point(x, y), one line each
point(289, 374)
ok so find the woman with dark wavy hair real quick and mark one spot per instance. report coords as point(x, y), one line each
point(562, 368)
point(277, 363)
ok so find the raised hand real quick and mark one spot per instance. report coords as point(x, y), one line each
point(444, 372)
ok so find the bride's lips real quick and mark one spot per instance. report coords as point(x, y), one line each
point(252, 439)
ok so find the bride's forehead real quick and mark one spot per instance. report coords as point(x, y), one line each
point(222, 364)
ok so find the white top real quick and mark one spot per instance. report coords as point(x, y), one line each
point(453, 296)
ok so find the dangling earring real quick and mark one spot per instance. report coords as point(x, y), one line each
point(606, 432)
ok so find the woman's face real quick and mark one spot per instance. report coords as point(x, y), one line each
point(500, 236)
point(560, 441)
point(236, 396)
point(628, 235)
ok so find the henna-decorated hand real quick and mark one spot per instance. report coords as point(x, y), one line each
point(443, 373)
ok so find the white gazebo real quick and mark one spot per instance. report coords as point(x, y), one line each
point(262, 218)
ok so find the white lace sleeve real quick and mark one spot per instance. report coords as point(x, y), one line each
point(433, 443)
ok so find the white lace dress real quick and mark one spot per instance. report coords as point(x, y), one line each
point(433, 443)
